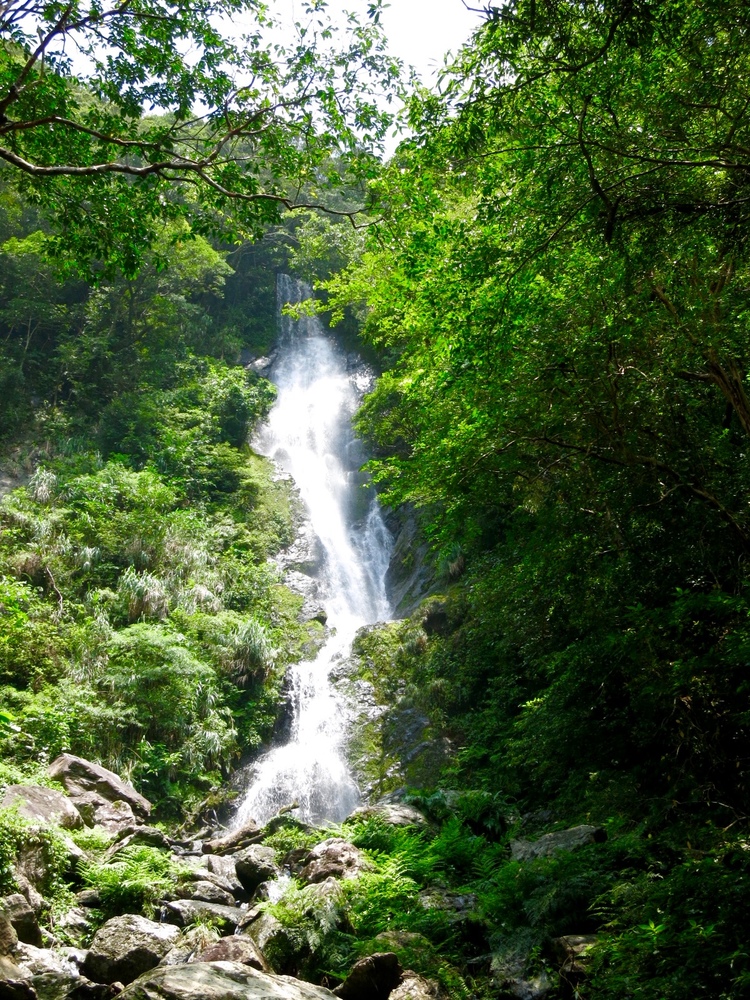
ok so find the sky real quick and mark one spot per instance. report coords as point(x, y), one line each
point(420, 32)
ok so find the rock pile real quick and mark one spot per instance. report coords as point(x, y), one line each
point(210, 940)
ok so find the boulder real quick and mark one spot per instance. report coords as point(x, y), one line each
point(280, 946)
point(250, 833)
point(75, 924)
point(129, 836)
point(508, 970)
point(219, 981)
point(371, 978)
point(393, 813)
point(237, 948)
point(560, 840)
point(95, 810)
point(125, 947)
point(572, 952)
point(90, 898)
point(79, 776)
point(184, 912)
point(23, 918)
point(458, 906)
point(207, 892)
point(254, 865)
point(42, 805)
point(52, 975)
point(415, 987)
point(8, 936)
point(15, 982)
point(223, 868)
point(334, 858)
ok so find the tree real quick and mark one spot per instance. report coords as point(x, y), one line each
point(107, 108)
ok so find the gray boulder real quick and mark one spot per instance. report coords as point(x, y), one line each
point(79, 776)
point(237, 948)
point(223, 867)
point(8, 936)
point(415, 987)
point(560, 840)
point(280, 946)
point(15, 982)
point(184, 912)
point(146, 836)
point(23, 918)
point(95, 810)
point(393, 813)
point(254, 865)
point(334, 858)
point(42, 805)
point(219, 981)
point(51, 974)
point(371, 978)
point(208, 892)
point(125, 947)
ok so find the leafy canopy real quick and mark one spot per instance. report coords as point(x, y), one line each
point(106, 108)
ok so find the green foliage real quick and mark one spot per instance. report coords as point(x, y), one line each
point(134, 881)
point(75, 139)
point(19, 837)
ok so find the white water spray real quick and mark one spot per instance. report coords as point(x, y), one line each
point(309, 435)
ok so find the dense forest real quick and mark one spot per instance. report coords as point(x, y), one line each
point(551, 277)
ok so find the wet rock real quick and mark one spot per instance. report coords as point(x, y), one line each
point(238, 948)
point(42, 805)
point(23, 918)
point(184, 912)
point(125, 947)
point(220, 981)
point(310, 590)
point(30, 865)
point(551, 843)
point(209, 892)
point(250, 833)
point(51, 974)
point(334, 858)
point(79, 776)
point(305, 555)
point(411, 573)
point(255, 864)
point(371, 978)
point(416, 987)
point(393, 813)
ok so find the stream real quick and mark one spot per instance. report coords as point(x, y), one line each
point(309, 436)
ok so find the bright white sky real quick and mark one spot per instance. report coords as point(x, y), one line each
point(420, 32)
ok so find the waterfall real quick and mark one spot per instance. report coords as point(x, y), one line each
point(310, 437)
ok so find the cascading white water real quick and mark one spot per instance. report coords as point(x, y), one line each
point(309, 435)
